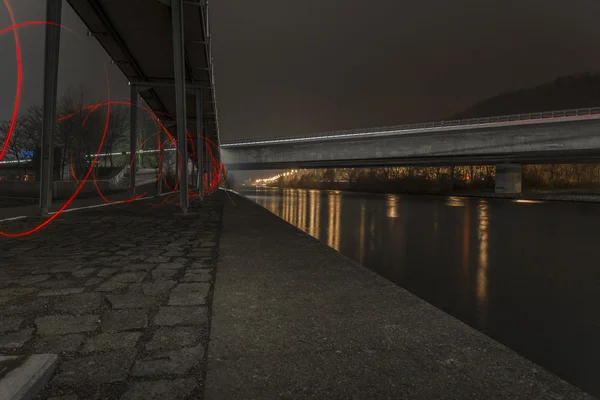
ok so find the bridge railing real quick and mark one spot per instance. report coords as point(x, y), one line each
point(514, 118)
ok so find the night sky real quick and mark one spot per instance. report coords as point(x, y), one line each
point(297, 67)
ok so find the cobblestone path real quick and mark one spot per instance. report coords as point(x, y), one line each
point(121, 293)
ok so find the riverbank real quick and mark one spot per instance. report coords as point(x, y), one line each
point(535, 196)
point(563, 195)
point(293, 318)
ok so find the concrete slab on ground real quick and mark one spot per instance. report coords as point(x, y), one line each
point(293, 319)
point(22, 378)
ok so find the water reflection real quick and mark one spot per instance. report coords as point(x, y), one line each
point(296, 208)
point(361, 239)
point(482, 268)
point(466, 243)
point(453, 201)
point(333, 234)
point(315, 213)
point(525, 201)
point(286, 204)
point(302, 218)
point(275, 205)
point(372, 233)
point(391, 203)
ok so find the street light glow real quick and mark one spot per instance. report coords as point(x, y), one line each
point(264, 181)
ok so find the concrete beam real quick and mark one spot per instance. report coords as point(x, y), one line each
point(199, 3)
point(51, 56)
point(199, 143)
point(566, 141)
point(163, 82)
point(23, 377)
point(509, 178)
point(179, 68)
point(133, 117)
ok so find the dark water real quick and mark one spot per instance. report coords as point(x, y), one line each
point(525, 273)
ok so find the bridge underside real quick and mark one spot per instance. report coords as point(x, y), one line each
point(542, 157)
point(137, 34)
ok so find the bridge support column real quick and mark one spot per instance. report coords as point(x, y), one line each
point(159, 183)
point(199, 141)
point(51, 55)
point(179, 67)
point(133, 114)
point(207, 164)
point(508, 178)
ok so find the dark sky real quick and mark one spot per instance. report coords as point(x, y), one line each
point(296, 67)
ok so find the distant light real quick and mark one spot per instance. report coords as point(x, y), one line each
point(528, 201)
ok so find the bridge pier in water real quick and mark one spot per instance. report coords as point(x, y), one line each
point(509, 178)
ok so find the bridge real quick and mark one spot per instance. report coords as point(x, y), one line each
point(570, 136)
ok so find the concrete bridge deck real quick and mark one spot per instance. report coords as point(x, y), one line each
point(124, 295)
point(554, 140)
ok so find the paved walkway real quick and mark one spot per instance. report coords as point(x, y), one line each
point(120, 293)
point(30, 207)
point(293, 319)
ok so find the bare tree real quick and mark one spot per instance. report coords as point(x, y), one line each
point(19, 140)
point(118, 126)
point(79, 130)
point(69, 111)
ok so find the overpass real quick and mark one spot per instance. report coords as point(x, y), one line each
point(164, 49)
point(568, 136)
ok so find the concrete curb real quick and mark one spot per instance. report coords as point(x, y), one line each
point(26, 377)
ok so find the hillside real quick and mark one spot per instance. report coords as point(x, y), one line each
point(575, 91)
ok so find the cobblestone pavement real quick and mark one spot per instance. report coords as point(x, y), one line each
point(121, 293)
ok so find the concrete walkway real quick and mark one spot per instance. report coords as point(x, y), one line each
point(30, 207)
point(120, 293)
point(293, 319)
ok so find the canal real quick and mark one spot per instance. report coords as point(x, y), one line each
point(525, 273)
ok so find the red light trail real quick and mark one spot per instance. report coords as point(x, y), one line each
point(216, 167)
